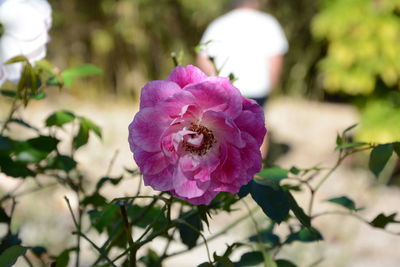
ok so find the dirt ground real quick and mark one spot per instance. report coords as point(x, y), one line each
point(308, 128)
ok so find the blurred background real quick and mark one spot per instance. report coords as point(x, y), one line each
point(343, 67)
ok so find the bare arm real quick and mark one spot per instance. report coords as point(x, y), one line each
point(276, 64)
point(205, 64)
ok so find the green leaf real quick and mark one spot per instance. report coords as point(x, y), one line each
point(37, 95)
point(272, 176)
point(294, 170)
point(16, 59)
point(305, 235)
point(62, 259)
point(8, 93)
point(28, 154)
point(135, 212)
point(62, 162)
point(6, 143)
point(349, 128)
point(104, 180)
point(223, 260)
point(96, 200)
point(284, 263)
point(266, 237)
point(43, 143)
point(14, 169)
point(205, 264)
point(151, 259)
point(380, 155)
point(382, 220)
point(339, 140)
point(351, 145)
point(304, 219)
point(4, 218)
point(250, 259)
point(396, 148)
point(24, 123)
point(79, 71)
point(82, 137)
point(39, 251)
point(60, 118)
point(10, 256)
point(92, 126)
point(188, 235)
point(274, 202)
point(344, 201)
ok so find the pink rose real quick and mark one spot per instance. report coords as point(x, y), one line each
point(196, 136)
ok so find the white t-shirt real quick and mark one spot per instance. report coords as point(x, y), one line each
point(241, 42)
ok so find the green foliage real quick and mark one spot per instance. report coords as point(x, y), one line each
point(379, 157)
point(304, 235)
point(381, 221)
point(345, 202)
point(85, 70)
point(363, 39)
point(379, 119)
point(11, 255)
point(190, 230)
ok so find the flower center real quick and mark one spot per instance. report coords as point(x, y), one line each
point(207, 141)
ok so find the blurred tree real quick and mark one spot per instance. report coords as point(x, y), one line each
point(363, 37)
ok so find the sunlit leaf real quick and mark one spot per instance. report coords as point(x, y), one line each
point(79, 71)
point(351, 145)
point(60, 118)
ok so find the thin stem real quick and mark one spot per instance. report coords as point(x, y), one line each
point(215, 236)
point(27, 260)
point(112, 163)
point(200, 233)
point(13, 108)
point(149, 227)
point(128, 230)
point(354, 215)
point(268, 261)
point(84, 236)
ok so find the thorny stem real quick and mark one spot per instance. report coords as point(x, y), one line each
point(340, 159)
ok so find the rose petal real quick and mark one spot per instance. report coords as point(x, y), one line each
point(223, 128)
point(161, 181)
point(154, 92)
point(146, 129)
point(150, 162)
point(217, 94)
point(251, 120)
point(186, 75)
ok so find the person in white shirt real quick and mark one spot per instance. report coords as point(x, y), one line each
point(248, 44)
